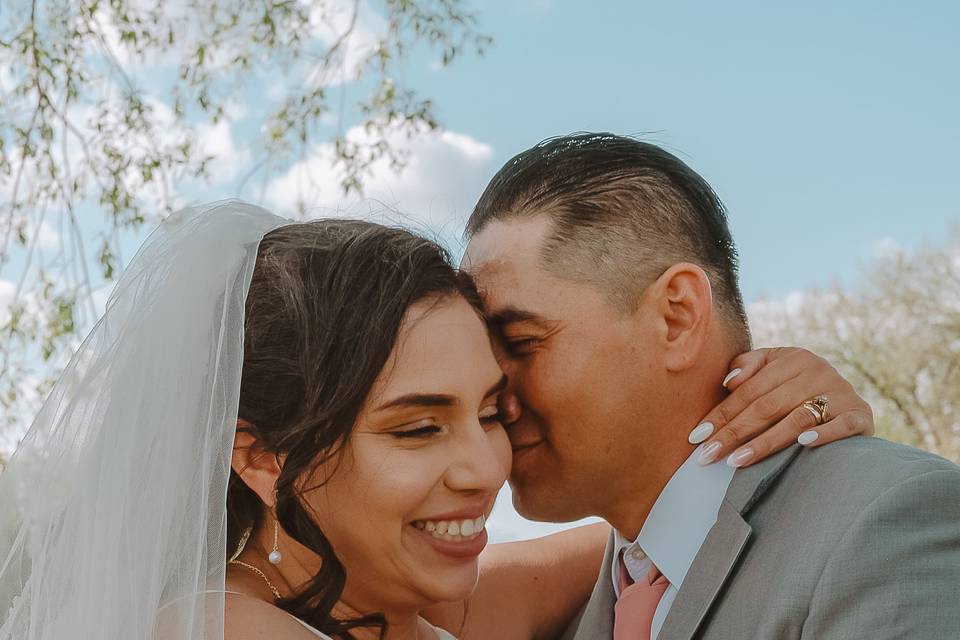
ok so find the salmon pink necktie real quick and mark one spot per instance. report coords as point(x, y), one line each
point(633, 613)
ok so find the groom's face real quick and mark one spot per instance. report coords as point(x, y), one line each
point(577, 365)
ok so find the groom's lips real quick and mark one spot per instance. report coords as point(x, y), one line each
point(523, 448)
point(524, 434)
point(520, 446)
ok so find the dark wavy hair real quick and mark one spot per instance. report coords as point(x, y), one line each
point(323, 311)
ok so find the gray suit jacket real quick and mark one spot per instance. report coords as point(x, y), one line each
point(857, 539)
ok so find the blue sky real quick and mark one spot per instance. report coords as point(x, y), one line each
point(826, 128)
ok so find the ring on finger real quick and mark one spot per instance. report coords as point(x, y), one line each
point(819, 407)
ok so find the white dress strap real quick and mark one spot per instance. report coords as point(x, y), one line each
point(441, 633)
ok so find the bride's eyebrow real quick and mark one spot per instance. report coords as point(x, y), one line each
point(435, 399)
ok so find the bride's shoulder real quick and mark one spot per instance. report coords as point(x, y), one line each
point(249, 618)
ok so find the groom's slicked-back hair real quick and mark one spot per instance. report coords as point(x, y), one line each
point(622, 211)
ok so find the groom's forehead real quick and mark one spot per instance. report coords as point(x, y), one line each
point(503, 288)
point(505, 267)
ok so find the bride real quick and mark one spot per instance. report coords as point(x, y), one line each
point(279, 430)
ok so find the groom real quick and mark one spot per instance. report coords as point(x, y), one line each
point(609, 276)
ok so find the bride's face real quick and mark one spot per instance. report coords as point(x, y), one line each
point(427, 455)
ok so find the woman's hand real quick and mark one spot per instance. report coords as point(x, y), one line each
point(763, 413)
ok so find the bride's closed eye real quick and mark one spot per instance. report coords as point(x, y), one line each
point(491, 416)
point(424, 431)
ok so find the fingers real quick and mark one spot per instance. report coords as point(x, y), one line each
point(798, 423)
point(763, 413)
point(745, 365)
point(855, 422)
point(850, 423)
point(747, 391)
point(771, 410)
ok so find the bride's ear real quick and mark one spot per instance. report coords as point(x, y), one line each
point(257, 467)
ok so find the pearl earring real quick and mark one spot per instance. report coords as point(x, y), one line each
point(275, 556)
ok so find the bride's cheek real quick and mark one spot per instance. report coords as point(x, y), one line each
point(504, 452)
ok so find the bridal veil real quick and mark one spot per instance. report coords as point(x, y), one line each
point(113, 508)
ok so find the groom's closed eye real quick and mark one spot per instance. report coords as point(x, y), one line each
point(518, 347)
point(518, 331)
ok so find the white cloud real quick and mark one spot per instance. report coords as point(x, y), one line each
point(444, 174)
point(7, 292)
point(887, 248)
point(334, 21)
point(213, 139)
point(7, 79)
point(229, 161)
point(23, 412)
point(236, 110)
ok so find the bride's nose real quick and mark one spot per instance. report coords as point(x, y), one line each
point(475, 465)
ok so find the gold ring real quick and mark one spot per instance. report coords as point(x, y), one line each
point(819, 407)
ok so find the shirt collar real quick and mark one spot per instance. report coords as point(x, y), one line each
point(681, 518)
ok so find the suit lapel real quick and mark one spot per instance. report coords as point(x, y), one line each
point(722, 548)
point(596, 621)
point(715, 560)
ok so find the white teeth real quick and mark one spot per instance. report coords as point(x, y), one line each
point(453, 530)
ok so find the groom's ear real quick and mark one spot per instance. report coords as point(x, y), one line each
point(685, 307)
point(257, 467)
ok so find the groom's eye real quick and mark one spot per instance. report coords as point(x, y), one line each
point(520, 346)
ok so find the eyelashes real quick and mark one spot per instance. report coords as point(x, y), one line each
point(427, 431)
point(520, 347)
point(419, 432)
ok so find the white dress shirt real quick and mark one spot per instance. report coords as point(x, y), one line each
point(674, 530)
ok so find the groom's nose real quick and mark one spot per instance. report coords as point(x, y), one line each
point(510, 407)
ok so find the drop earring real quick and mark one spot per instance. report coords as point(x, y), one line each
point(275, 556)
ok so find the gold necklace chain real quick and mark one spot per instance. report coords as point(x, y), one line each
point(273, 589)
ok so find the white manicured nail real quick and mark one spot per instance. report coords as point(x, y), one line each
point(703, 431)
point(738, 458)
point(730, 376)
point(709, 453)
point(808, 437)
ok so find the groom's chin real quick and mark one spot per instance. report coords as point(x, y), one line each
point(539, 501)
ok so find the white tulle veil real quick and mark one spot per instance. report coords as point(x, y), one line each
point(113, 508)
